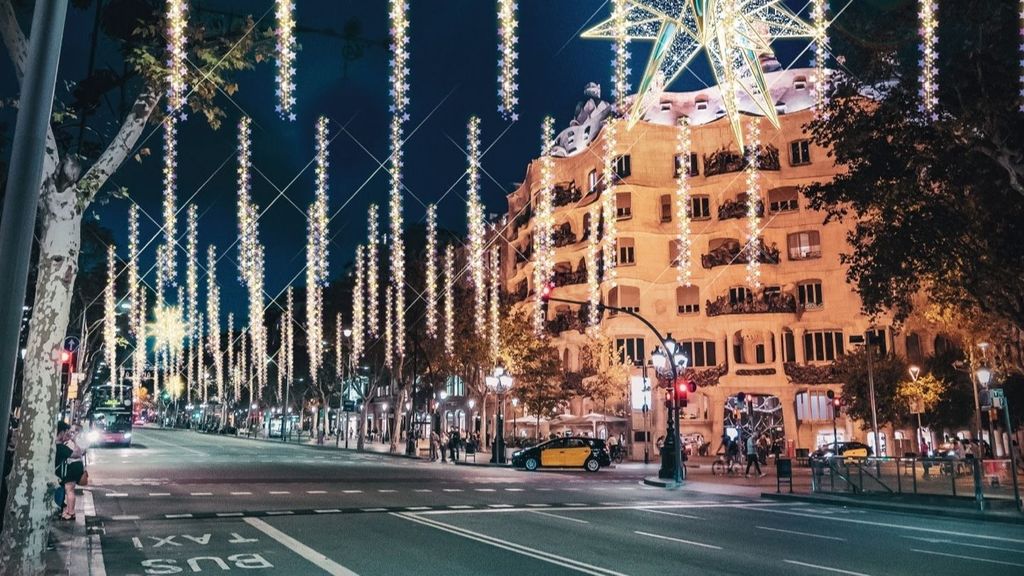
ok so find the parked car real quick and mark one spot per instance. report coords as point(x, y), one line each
point(846, 450)
point(569, 452)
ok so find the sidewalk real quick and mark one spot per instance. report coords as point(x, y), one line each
point(70, 548)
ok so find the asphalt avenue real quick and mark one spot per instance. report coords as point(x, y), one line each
point(180, 502)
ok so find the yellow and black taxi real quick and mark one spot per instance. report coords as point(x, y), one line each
point(845, 450)
point(568, 452)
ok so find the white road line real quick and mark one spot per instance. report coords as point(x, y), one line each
point(423, 490)
point(510, 546)
point(314, 557)
point(677, 514)
point(280, 492)
point(116, 494)
point(241, 493)
point(680, 540)
point(374, 509)
point(316, 491)
point(539, 505)
point(574, 504)
point(825, 568)
point(808, 534)
point(958, 543)
point(418, 508)
point(202, 493)
point(352, 491)
point(500, 506)
point(387, 491)
point(760, 508)
point(539, 513)
point(169, 516)
point(327, 511)
point(544, 489)
point(452, 489)
point(513, 489)
point(229, 514)
point(159, 493)
point(125, 517)
point(974, 558)
point(460, 507)
point(484, 489)
point(279, 513)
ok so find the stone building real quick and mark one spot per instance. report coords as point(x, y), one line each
point(775, 344)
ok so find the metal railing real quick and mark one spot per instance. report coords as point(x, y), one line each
point(981, 480)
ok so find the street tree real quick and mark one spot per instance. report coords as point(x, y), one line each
point(936, 201)
point(540, 384)
point(605, 373)
point(889, 371)
point(81, 156)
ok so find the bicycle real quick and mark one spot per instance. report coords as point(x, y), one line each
point(723, 466)
point(618, 454)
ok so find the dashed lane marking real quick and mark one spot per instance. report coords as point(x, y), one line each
point(484, 489)
point(175, 516)
point(974, 558)
point(229, 514)
point(202, 493)
point(116, 494)
point(500, 506)
point(316, 491)
point(386, 491)
point(327, 511)
point(825, 568)
point(808, 534)
point(680, 540)
point(352, 491)
point(374, 509)
point(417, 508)
point(423, 490)
point(279, 513)
point(513, 489)
point(276, 492)
point(453, 489)
point(677, 514)
point(539, 505)
point(560, 517)
point(241, 493)
point(460, 507)
point(159, 493)
point(125, 517)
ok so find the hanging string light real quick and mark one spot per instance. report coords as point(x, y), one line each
point(494, 313)
point(232, 367)
point(620, 47)
point(339, 347)
point(244, 372)
point(358, 306)
point(110, 319)
point(819, 21)
point(683, 148)
point(176, 20)
point(449, 300)
point(192, 289)
point(431, 280)
point(179, 333)
point(167, 272)
point(399, 20)
point(213, 319)
point(397, 242)
point(475, 217)
point(136, 301)
point(608, 204)
point(285, 12)
point(200, 360)
point(593, 274)
point(316, 256)
point(754, 205)
point(289, 355)
point(372, 272)
point(507, 66)
point(251, 256)
point(257, 330)
point(929, 76)
point(544, 224)
point(389, 334)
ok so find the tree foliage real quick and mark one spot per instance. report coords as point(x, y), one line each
point(889, 371)
point(938, 203)
point(606, 374)
point(533, 363)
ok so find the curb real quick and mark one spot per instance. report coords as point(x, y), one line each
point(903, 508)
point(326, 446)
point(661, 483)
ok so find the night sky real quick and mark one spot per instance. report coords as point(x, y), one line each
point(453, 75)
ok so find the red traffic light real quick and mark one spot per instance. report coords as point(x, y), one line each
point(65, 357)
point(546, 291)
point(684, 388)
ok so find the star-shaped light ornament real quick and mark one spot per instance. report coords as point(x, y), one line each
point(733, 33)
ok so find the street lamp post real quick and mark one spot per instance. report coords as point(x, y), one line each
point(647, 414)
point(499, 382)
point(673, 358)
point(915, 371)
point(515, 414)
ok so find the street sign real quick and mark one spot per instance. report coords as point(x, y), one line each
point(997, 398)
point(73, 391)
point(348, 406)
point(71, 344)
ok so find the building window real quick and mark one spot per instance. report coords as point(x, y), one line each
point(813, 406)
point(823, 345)
point(799, 152)
point(800, 83)
point(804, 245)
point(809, 295)
point(688, 300)
point(879, 341)
point(631, 349)
point(679, 165)
point(700, 353)
point(622, 167)
point(627, 252)
point(625, 297)
point(701, 103)
point(788, 346)
point(666, 208)
point(592, 182)
point(673, 251)
point(700, 208)
point(914, 353)
point(623, 206)
point(738, 294)
point(781, 200)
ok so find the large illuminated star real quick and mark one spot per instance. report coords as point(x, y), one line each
point(734, 33)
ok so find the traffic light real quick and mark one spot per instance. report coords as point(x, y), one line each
point(684, 387)
point(65, 357)
point(545, 294)
point(836, 401)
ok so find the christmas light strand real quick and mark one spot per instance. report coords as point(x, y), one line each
point(389, 333)
point(251, 257)
point(593, 278)
point(167, 272)
point(494, 312)
point(339, 347)
point(620, 47)
point(544, 224)
point(176, 21)
point(754, 205)
point(399, 64)
point(110, 318)
point(213, 319)
point(929, 75)
point(244, 371)
point(289, 341)
point(397, 257)
point(609, 205)
point(316, 256)
point(508, 68)
point(232, 371)
point(476, 225)
point(431, 271)
point(136, 300)
point(200, 374)
point(358, 306)
point(449, 300)
point(192, 288)
point(819, 21)
point(682, 205)
point(285, 12)
point(373, 272)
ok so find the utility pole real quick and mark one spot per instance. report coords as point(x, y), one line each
point(28, 151)
point(871, 391)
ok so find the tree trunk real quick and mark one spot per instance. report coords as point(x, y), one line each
point(29, 501)
point(361, 430)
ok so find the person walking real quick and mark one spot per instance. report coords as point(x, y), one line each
point(69, 467)
point(433, 446)
point(752, 457)
point(453, 445)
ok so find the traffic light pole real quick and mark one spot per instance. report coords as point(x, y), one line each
point(677, 457)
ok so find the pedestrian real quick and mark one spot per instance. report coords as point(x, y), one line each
point(69, 467)
point(752, 457)
point(453, 445)
point(433, 446)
